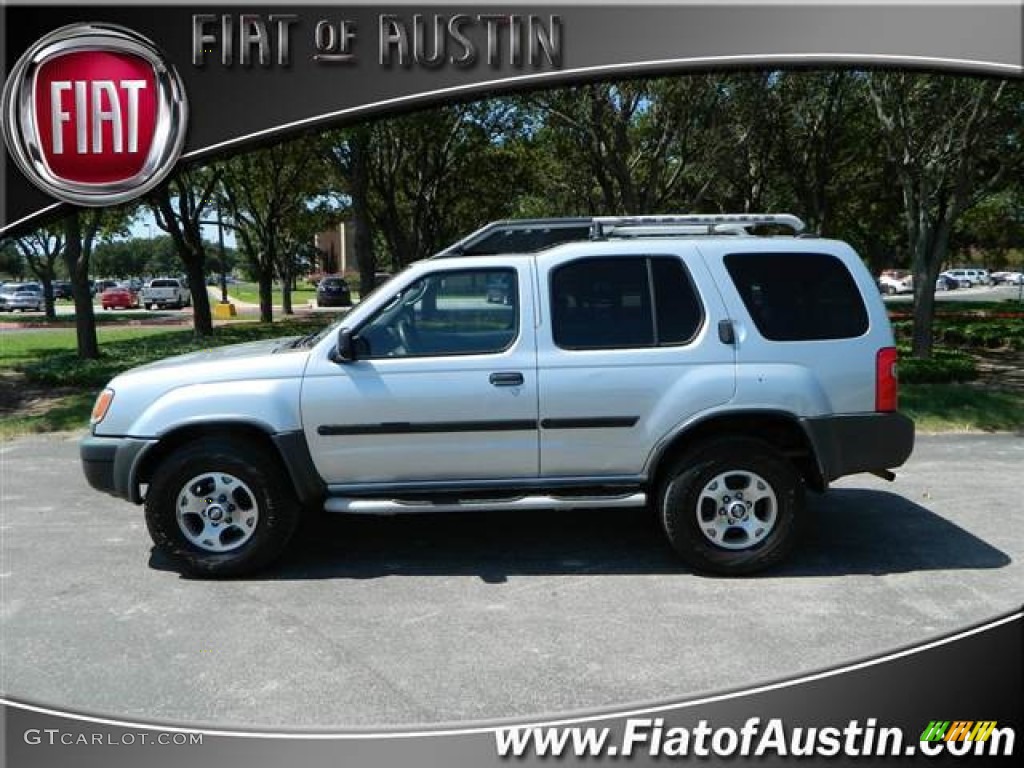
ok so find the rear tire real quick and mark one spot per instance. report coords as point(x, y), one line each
point(732, 507)
point(219, 509)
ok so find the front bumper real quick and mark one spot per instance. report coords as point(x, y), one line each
point(111, 463)
point(862, 442)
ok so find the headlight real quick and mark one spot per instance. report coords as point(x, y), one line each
point(99, 410)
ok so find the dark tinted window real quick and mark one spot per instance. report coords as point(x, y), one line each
point(526, 239)
point(798, 296)
point(679, 311)
point(607, 303)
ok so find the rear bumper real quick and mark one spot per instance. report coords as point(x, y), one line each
point(334, 301)
point(852, 443)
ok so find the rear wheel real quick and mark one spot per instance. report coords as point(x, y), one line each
point(219, 508)
point(733, 507)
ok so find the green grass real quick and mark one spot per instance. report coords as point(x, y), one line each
point(66, 413)
point(962, 407)
point(20, 347)
point(47, 359)
point(111, 317)
point(250, 293)
point(53, 361)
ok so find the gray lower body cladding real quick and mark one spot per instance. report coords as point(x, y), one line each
point(853, 443)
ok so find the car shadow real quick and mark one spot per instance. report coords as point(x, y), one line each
point(850, 532)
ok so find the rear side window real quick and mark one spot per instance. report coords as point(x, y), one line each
point(798, 296)
point(610, 303)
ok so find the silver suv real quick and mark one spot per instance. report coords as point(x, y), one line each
point(680, 362)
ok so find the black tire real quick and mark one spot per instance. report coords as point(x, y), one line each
point(278, 509)
point(148, 306)
point(681, 495)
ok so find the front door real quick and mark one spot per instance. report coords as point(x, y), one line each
point(444, 387)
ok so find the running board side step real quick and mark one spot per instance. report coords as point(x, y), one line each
point(359, 506)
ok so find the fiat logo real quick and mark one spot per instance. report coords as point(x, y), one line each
point(93, 115)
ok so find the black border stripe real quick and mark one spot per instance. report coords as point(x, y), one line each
point(604, 422)
point(511, 425)
point(429, 427)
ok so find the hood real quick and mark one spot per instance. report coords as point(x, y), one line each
point(236, 352)
point(227, 372)
point(267, 359)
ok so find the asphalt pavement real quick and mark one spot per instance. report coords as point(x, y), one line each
point(468, 617)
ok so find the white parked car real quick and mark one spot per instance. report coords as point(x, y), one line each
point(893, 281)
point(968, 278)
point(1007, 278)
point(677, 362)
point(23, 297)
point(165, 292)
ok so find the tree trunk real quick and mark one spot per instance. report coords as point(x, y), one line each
point(266, 280)
point(361, 213)
point(925, 276)
point(286, 293)
point(930, 247)
point(47, 281)
point(78, 269)
point(196, 272)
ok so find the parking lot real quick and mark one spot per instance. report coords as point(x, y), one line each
point(465, 617)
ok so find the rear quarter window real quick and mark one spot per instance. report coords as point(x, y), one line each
point(798, 296)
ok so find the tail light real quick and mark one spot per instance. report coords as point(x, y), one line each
point(886, 382)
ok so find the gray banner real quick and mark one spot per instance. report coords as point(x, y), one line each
point(972, 675)
point(238, 104)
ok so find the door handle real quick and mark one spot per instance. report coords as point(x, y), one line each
point(726, 332)
point(507, 379)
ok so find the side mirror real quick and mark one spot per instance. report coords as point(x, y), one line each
point(345, 351)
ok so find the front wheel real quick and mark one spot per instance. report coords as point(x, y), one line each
point(733, 507)
point(219, 508)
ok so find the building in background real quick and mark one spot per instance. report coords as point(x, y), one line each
point(338, 248)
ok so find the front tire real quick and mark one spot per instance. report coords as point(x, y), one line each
point(732, 507)
point(219, 508)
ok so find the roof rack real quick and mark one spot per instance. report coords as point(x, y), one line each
point(532, 235)
point(690, 224)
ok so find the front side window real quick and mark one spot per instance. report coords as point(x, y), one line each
point(460, 312)
point(615, 303)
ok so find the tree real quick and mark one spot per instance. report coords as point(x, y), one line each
point(348, 154)
point(82, 228)
point(950, 142)
point(634, 147)
point(41, 251)
point(414, 184)
point(263, 192)
point(12, 263)
point(825, 137)
point(178, 207)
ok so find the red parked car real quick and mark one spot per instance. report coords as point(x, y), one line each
point(119, 297)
